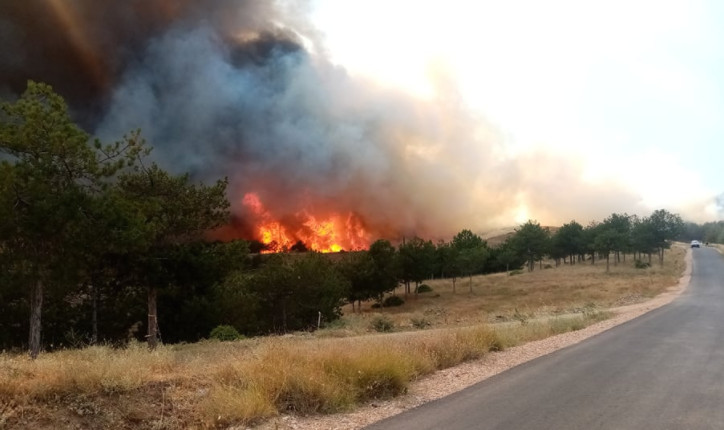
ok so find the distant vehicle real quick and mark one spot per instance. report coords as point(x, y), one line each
point(695, 244)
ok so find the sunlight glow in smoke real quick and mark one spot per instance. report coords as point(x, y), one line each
point(73, 25)
point(551, 75)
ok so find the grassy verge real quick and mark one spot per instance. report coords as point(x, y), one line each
point(215, 384)
point(211, 384)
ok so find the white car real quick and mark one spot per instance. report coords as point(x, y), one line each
point(695, 244)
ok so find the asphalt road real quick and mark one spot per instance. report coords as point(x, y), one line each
point(663, 370)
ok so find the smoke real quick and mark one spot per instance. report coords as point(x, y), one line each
point(243, 89)
point(719, 204)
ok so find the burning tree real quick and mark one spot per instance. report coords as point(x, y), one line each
point(329, 231)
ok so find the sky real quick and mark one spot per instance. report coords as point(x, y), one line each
point(630, 92)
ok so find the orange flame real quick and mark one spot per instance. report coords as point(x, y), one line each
point(329, 233)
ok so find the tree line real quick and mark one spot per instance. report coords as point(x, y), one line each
point(78, 217)
point(707, 232)
point(100, 244)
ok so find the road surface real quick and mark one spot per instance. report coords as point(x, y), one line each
point(663, 370)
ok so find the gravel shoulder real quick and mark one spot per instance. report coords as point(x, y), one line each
point(448, 381)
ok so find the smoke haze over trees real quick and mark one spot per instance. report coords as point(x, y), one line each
point(244, 89)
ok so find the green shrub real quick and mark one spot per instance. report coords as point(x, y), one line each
point(225, 333)
point(392, 301)
point(336, 324)
point(424, 288)
point(515, 272)
point(382, 324)
point(639, 264)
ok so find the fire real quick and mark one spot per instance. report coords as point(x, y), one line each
point(332, 232)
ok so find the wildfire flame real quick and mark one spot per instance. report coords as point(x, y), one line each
point(332, 232)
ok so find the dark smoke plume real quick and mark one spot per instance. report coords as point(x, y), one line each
point(243, 89)
point(83, 47)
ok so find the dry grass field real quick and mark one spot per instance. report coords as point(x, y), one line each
point(222, 384)
point(542, 293)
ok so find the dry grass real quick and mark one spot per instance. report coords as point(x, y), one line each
point(217, 386)
point(213, 384)
point(542, 293)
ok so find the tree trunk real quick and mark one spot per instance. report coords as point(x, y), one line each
point(36, 312)
point(94, 315)
point(152, 335)
point(608, 258)
point(284, 315)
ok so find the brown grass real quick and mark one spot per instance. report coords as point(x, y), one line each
point(214, 384)
point(542, 293)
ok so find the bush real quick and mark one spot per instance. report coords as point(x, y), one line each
point(392, 301)
point(225, 333)
point(382, 325)
point(519, 316)
point(515, 272)
point(424, 288)
point(639, 264)
point(420, 322)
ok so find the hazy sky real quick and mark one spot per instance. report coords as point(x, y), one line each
point(632, 91)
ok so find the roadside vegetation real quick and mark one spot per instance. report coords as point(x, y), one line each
point(213, 384)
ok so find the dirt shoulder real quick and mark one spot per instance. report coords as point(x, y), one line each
point(448, 381)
